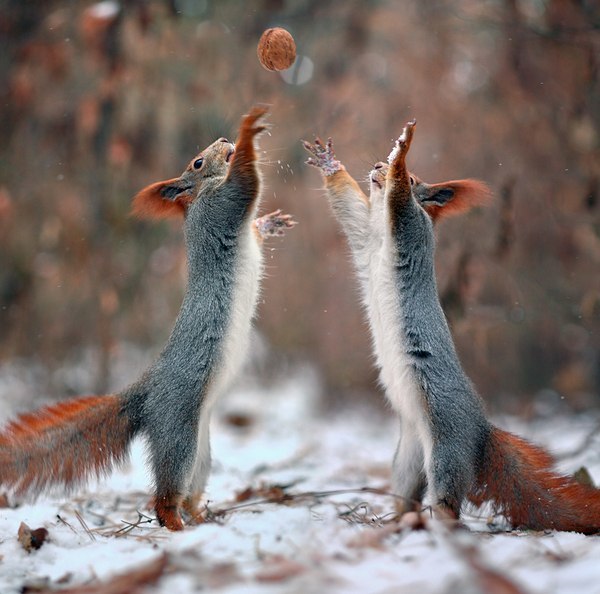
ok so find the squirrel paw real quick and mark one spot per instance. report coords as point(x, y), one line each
point(194, 514)
point(274, 224)
point(170, 518)
point(249, 121)
point(402, 145)
point(323, 156)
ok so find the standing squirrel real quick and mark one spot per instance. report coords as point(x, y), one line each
point(66, 443)
point(448, 449)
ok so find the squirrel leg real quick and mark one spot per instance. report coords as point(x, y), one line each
point(408, 473)
point(242, 171)
point(200, 474)
point(167, 508)
point(449, 477)
point(172, 462)
point(398, 186)
point(348, 202)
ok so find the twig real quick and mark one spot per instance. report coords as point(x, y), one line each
point(142, 519)
point(285, 497)
point(84, 525)
point(63, 521)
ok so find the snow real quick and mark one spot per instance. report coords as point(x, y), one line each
point(333, 543)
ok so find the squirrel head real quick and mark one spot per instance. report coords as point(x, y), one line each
point(377, 179)
point(172, 197)
point(438, 200)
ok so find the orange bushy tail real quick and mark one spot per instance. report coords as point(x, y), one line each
point(64, 444)
point(519, 479)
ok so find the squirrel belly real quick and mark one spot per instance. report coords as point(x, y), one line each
point(396, 369)
point(248, 274)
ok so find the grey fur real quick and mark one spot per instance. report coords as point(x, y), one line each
point(166, 403)
point(441, 446)
point(459, 427)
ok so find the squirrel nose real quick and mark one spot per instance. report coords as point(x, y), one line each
point(378, 165)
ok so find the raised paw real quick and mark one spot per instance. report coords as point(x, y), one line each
point(274, 224)
point(323, 156)
point(249, 121)
point(402, 145)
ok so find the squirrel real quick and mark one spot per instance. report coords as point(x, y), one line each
point(170, 404)
point(448, 451)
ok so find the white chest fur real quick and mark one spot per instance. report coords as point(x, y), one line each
point(385, 316)
point(245, 296)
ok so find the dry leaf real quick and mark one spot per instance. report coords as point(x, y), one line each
point(413, 521)
point(275, 493)
point(279, 569)
point(239, 420)
point(373, 538)
point(31, 539)
point(583, 477)
point(133, 582)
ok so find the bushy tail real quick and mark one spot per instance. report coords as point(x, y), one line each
point(64, 444)
point(518, 478)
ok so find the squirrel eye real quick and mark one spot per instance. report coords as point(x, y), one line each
point(198, 163)
point(412, 180)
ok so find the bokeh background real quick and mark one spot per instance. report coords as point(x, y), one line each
point(100, 99)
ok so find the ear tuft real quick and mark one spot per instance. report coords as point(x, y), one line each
point(161, 200)
point(455, 197)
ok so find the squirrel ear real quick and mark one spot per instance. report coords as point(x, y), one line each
point(162, 200)
point(454, 197)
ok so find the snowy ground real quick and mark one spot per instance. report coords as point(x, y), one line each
point(313, 543)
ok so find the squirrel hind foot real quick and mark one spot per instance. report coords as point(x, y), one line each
point(168, 513)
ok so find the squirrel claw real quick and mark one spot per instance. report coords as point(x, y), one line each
point(274, 224)
point(407, 134)
point(256, 113)
point(323, 156)
point(249, 120)
point(402, 145)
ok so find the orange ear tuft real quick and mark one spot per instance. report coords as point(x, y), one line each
point(154, 202)
point(460, 196)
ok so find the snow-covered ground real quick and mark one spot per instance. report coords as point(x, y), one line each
point(326, 536)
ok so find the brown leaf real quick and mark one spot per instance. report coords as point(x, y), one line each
point(413, 521)
point(279, 569)
point(275, 493)
point(583, 477)
point(373, 538)
point(133, 582)
point(31, 539)
point(239, 420)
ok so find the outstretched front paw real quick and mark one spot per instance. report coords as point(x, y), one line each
point(323, 156)
point(274, 224)
point(402, 145)
point(250, 125)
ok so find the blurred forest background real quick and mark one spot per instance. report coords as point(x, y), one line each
point(101, 99)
